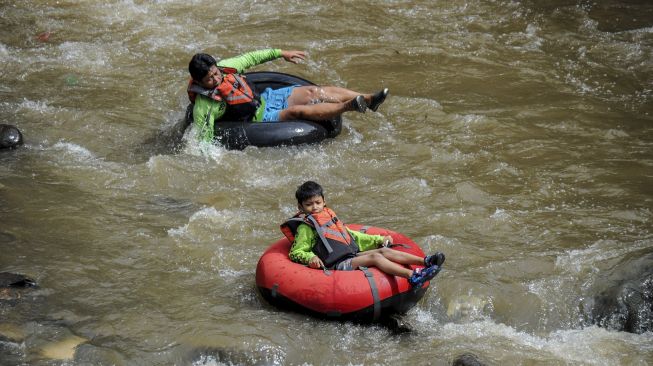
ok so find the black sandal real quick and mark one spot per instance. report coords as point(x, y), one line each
point(378, 98)
point(359, 104)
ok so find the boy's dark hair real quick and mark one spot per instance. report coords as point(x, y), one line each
point(307, 190)
point(199, 65)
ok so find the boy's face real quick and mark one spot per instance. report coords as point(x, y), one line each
point(212, 79)
point(312, 205)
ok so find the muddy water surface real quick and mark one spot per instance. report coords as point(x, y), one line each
point(517, 139)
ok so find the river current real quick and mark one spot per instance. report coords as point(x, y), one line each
point(517, 138)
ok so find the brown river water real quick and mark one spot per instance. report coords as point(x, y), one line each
point(517, 138)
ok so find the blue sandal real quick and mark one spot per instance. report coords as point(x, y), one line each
point(426, 274)
point(434, 260)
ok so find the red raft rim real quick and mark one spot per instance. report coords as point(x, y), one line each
point(360, 296)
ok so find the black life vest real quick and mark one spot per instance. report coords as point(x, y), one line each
point(334, 242)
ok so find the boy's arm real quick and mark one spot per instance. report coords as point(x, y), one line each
point(366, 241)
point(302, 248)
point(250, 59)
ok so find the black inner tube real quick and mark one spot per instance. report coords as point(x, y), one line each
point(238, 134)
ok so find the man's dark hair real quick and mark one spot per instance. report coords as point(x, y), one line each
point(307, 190)
point(199, 65)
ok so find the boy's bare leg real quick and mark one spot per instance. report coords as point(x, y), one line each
point(395, 256)
point(382, 263)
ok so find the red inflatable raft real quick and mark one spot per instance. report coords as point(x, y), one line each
point(362, 296)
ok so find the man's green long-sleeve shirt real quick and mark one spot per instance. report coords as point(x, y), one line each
point(215, 110)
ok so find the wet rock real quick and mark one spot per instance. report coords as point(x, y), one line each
point(63, 349)
point(10, 137)
point(12, 285)
point(6, 237)
point(14, 280)
point(225, 356)
point(11, 333)
point(467, 359)
point(397, 324)
point(88, 354)
point(624, 296)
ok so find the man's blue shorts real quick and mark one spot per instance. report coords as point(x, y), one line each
point(276, 100)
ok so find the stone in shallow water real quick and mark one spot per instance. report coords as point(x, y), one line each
point(467, 359)
point(624, 296)
point(11, 333)
point(63, 349)
point(8, 279)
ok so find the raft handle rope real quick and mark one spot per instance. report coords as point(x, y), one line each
point(375, 292)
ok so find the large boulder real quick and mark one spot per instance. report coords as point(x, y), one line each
point(624, 296)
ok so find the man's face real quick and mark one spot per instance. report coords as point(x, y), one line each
point(313, 205)
point(212, 79)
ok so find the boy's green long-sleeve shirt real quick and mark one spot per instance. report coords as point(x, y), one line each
point(205, 106)
point(306, 237)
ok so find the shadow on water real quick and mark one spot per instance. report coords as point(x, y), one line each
point(619, 16)
point(168, 140)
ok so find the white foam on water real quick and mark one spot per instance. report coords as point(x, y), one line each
point(71, 153)
point(84, 55)
point(231, 273)
point(39, 106)
point(208, 213)
point(578, 260)
point(591, 345)
point(207, 150)
point(78, 152)
point(207, 219)
point(501, 215)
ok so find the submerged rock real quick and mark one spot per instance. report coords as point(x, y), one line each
point(8, 279)
point(12, 333)
point(397, 324)
point(624, 297)
point(225, 356)
point(12, 286)
point(10, 136)
point(63, 349)
point(467, 359)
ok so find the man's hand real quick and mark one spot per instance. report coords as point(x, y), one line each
point(293, 56)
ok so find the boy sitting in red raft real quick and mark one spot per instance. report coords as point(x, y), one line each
point(343, 249)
